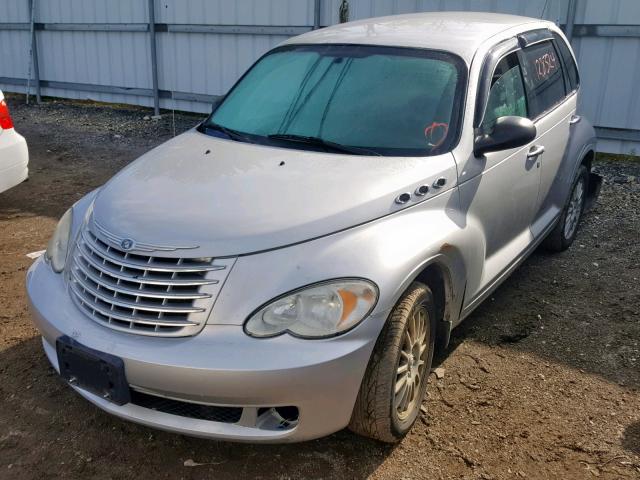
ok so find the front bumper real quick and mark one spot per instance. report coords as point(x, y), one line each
point(220, 366)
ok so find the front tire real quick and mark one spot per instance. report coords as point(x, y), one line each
point(564, 233)
point(395, 382)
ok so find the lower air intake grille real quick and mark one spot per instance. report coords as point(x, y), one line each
point(186, 409)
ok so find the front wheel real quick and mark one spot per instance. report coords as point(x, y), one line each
point(564, 233)
point(395, 382)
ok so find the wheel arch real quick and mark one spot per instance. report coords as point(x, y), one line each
point(437, 277)
point(588, 158)
point(437, 274)
point(585, 155)
point(594, 180)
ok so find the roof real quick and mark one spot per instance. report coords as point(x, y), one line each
point(457, 32)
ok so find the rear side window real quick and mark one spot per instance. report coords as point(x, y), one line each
point(569, 62)
point(543, 72)
point(507, 94)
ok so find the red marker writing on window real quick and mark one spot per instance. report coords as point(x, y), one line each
point(436, 133)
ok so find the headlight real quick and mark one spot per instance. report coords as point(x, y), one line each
point(320, 310)
point(56, 253)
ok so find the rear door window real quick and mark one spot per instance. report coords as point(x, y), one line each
point(569, 63)
point(544, 77)
point(507, 94)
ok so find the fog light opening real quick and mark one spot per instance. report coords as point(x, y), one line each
point(277, 418)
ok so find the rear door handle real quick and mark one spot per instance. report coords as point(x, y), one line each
point(574, 119)
point(535, 151)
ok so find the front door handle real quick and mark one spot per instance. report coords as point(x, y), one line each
point(535, 151)
point(574, 119)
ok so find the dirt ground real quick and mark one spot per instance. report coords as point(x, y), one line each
point(542, 381)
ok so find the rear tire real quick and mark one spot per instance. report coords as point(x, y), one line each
point(395, 382)
point(564, 233)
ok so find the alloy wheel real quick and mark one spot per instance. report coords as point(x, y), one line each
point(574, 210)
point(411, 365)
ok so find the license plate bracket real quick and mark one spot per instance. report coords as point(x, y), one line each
point(97, 372)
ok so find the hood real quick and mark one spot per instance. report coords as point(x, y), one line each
point(230, 198)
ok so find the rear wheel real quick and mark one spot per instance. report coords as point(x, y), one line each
point(564, 233)
point(395, 382)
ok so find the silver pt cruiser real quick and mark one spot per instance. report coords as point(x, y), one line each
point(287, 268)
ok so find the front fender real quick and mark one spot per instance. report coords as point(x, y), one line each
point(390, 251)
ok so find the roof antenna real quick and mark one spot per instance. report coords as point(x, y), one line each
point(344, 11)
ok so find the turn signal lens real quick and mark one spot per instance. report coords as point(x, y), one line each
point(321, 310)
point(56, 253)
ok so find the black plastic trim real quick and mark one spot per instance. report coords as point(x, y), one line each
point(198, 411)
point(491, 60)
point(534, 36)
point(78, 364)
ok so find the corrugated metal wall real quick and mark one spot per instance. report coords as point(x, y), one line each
point(210, 63)
point(87, 47)
point(610, 71)
point(14, 45)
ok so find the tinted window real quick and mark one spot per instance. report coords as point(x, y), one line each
point(544, 77)
point(507, 94)
point(394, 101)
point(569, 62)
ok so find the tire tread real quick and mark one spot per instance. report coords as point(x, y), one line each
point(372, 412)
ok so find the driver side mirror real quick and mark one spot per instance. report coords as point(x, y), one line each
point(508, 132)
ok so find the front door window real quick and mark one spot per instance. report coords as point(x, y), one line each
point(507, 95)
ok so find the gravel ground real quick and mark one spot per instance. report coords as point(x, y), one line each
point(542, 381)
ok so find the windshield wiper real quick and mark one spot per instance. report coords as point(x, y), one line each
point(229, 132)
point(321, 142)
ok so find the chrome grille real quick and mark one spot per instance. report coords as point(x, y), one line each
point(143, 294)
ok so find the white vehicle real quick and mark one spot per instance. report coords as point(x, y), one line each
point(14, 155)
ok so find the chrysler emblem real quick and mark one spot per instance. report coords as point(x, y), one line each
point(126, 244)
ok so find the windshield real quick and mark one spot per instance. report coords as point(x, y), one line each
point(365, 99)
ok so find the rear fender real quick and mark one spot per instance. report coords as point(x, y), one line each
point(582, 141)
